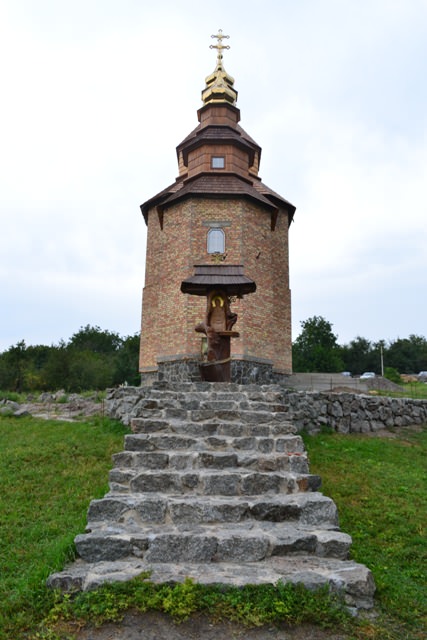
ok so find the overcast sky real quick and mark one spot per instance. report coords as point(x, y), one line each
point(96, 95)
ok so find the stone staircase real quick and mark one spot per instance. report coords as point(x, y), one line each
point(214, 484)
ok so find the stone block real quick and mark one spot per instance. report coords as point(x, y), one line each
point(148, 425)
point(172, 442)
point(121, 476)
point(261, 483)
point(152, 510)
point(290, 444)
point(148, 482)
point(298, 463)
point(198, 415)
point(265, 445)
point(123, 459)
point(217, 460)
point(181, 461)
point(308, 482)
point(234, 429)
point(197, 429)
point(244, 444)
point(175, 413)
point(138, 443)
point(275, 511)
point(293, 541)
point(242, 548)
point(94, 548)
point(216, 443)
point(221, 484)
point(181, 548)
point(335, 544)
point(318, 510)
point(206, 511)
point(150, 460)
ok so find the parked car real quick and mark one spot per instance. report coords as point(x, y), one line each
point(347, 374)
point(367, 375)
point(422, 376)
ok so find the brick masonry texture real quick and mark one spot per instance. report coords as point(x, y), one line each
point(169, 316)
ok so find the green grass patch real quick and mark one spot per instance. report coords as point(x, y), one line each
point(12, 395)
point(414, 390)
point(50, 470)
point(249, 605)
point(380, 488)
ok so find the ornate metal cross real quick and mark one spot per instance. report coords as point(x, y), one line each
point(219, 46)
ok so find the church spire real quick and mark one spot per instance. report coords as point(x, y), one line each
point(219, 85)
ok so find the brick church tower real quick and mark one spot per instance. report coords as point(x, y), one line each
point(217, 212)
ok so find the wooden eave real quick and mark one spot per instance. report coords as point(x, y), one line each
point(217, 185)
point(217, 135)
point(276, 199)
point(157, 199)
point(228, 277)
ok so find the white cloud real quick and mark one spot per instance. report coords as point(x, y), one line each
point(96, 96)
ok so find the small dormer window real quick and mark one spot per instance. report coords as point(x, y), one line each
point(217, 162)
point(216, 240)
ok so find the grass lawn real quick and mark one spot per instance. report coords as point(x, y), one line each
point(50, 470)
point(415, 390)
point(380, 488)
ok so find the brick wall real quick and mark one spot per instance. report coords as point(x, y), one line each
point(169, 316)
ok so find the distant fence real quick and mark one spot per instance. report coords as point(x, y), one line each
point(339, 382)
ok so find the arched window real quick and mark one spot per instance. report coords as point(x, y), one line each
point(216, 240)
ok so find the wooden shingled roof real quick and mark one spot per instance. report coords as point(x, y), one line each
point(218, 185)
point(219, 134)
point(218, 130)
point(228, 277)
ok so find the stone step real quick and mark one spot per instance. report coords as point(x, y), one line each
point(305, 509)
point(180, 442)
point(208, 425)
point(183, 460)
point(222, 392)
point(212, 482)
point(237, 542)
point(351, 579)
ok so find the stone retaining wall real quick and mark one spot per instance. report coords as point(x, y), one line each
point(343, 412)
point(243, 371)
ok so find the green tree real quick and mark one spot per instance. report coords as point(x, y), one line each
point(126, 367)
point(358, 356)
point(316, 348)
point(95, 339)
point(392, 374)
point(37, 357)
point(407, 355)
point(89, 370)
point(12, 370)
point(56, 371)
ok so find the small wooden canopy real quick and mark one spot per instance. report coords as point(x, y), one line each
point(228, 277)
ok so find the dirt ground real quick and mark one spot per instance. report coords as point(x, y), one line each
point(158, 626)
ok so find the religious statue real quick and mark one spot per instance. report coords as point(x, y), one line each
point(220, 283)
point(217, 326)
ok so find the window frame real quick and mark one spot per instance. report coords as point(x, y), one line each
point(215, 160)
point(215, 238)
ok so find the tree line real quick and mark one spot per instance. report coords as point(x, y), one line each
point(316, 349)
point(91, 359)
point(97, 359)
